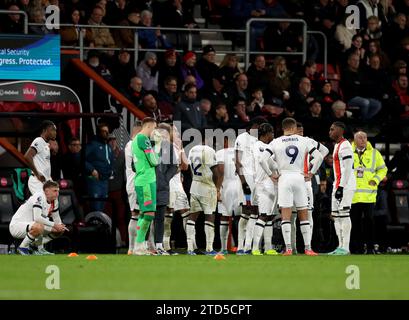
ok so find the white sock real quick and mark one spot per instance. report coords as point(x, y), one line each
point(44, 241)
point(268, 236)
point(133, 223)
point(185, 217)
point(159, 246)
point(311, 220)
point(167, 233)
point(346, 232)
point(224, 233)
point(250, 232)
point(28, 239)
point(294, 231)
point(242, 231)
point(258, 233)
point(306, 234)
point(286, 231)
point(209, 231)
point(338, 231)
point(190, 234)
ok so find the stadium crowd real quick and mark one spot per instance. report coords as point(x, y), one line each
point(371, 93)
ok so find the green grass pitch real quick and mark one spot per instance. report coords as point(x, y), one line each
point(203, 277)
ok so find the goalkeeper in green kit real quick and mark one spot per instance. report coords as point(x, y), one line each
point(145, 161)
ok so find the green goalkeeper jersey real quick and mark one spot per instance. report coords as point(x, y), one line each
point(145, 160)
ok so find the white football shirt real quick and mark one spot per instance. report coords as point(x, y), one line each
point(42, 157)
point(244, 143)
point(290, 153)
point(201, 159)
point(227, 157)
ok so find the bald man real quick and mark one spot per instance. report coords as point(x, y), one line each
point(369, 170)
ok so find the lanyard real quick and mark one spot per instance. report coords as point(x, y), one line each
point(106, 153)
point(360, 157)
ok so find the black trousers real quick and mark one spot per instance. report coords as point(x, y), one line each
point(363, 228)
point(159, 224)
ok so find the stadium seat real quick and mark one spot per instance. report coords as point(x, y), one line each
point(8, 206)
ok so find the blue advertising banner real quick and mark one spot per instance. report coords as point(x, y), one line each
point(30, 57)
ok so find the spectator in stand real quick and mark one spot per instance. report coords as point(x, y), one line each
point(188, 67)
point(372, 32)
point(189, 80)
point(280, 79)
point(374, 48)
point(205, 107)
point(309, 70)
point(239, 90)
point(37, 16)
point(378, 81)
point(150, 38)
point(356, 48)
point(344, 35)
point(176, 16)
point(71, 163)
point(326, 97)
point(116, 12)
point(99, 37)
point(168, 97)
point(94, 58)
point(258, 74)
point(340, 113)
point(396, 33)
point(125, 38)
point(399, 67)
point(207, 67)
point(216, 93)
point(150, 107)
point(323, 17)
point(98, 167)
point(281, 37)
point(229, 68)
point(368, 8)
point(122, 70)
point(273, 111)
point(272, 8)
point(403, 51)
point(71, 5)
point(169, 67)
point(148, 71)
point(400, 98)
point(12, 23)
point(315, 124)
point(115, 206)
point(70, 36)
point(220, 117)
point(356, 92)
point(135, 91)
point(188, 111)
point(257, 103)
point(239, 117)
point(300, 99)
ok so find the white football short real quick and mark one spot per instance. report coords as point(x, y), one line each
point(292, 191)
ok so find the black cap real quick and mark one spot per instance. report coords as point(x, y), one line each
point(208, 48)
point(274, 102)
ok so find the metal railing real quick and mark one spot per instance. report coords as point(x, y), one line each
point(248, 33)
point(190, 32)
